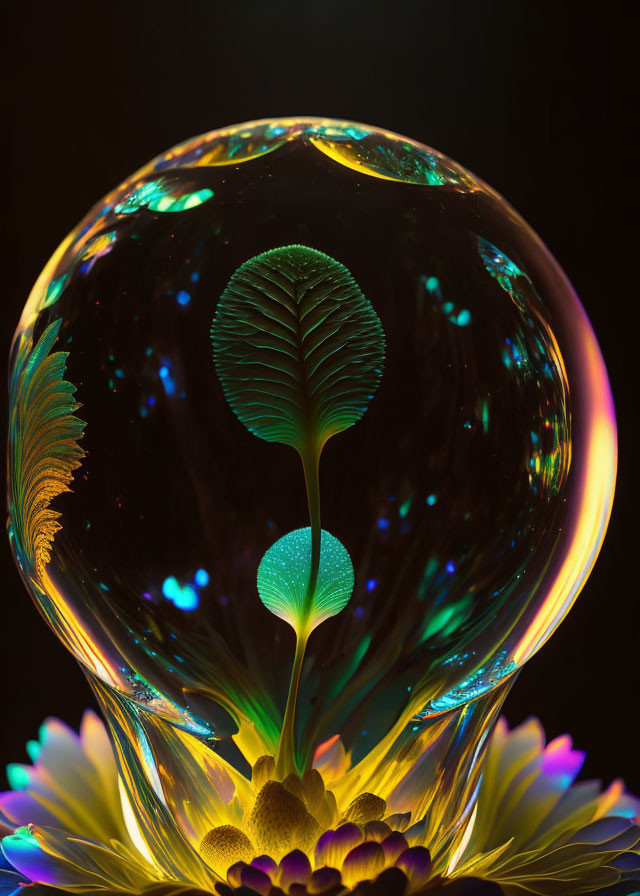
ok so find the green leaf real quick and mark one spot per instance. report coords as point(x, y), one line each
point(283, 579)
point(298, 348)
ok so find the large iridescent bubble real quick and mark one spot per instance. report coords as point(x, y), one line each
point(439, 408)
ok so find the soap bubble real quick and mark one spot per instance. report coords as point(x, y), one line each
point(467, 475)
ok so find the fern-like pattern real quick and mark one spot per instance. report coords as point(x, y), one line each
point(43, 450)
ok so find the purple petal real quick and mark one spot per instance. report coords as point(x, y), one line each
point(347, 836)
point(266, 864)
point(295, 868)
point(234, 874)
point(256, 879)
point(322, 847)
point(333, 846)
point(416, 864)
point(19, 808)
point(11, 881)
point(626, 862)
point(23, 851)
point(394, 845)
point(324, 879)
point(602, 830)
point(561, 761)
point(364, 862)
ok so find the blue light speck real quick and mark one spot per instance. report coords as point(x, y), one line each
point(184, 598)
point(202, 578)
point(170, 587)
point(187, 599)
point(167, 380)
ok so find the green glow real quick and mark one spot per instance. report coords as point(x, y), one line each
point(17, 776)
point(432, 284)
point(54, 290)
point(438, 621)
point(448, 619)
point(458, 318)
point(358, 656)
point(22, 836)
point(33, 750)
point(496, 262)
point(182, 203)
point(504, 270)
point(304, 592)
point(485, 415)
point(284, 574)
point(161, 196)
point(405, 507)
point(429, 571)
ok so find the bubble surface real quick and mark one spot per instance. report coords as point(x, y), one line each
point(471, 497)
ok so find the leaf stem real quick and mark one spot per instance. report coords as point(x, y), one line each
point(285, 758)
point(286, 755)
point(311, 465)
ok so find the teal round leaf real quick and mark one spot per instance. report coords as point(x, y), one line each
point(283, 579)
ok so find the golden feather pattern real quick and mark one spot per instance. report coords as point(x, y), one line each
point(43, 450)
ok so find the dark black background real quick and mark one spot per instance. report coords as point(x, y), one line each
point(536, 98)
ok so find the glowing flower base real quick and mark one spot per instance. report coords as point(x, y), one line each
point(533, 830)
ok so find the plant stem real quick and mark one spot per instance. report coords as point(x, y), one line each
point(285, 758)
point(311, 464)
point(286, 755)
